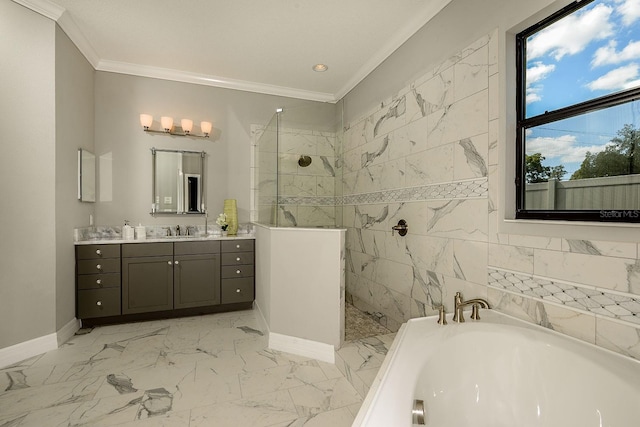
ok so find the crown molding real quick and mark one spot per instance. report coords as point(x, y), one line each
point(208, 80)
point(408, 30)
point(43, 7)
point(72, 30)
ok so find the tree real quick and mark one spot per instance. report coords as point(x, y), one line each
point(618, 158)
point(536, 172)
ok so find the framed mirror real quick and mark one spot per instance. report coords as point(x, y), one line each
point(178, 182)
point(86, 176)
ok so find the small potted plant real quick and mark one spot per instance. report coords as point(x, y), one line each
point(222, 222)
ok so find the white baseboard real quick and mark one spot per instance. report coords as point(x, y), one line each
point(27, 349)
point(302, 347)
point(67, 331)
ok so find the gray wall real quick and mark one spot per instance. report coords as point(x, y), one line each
point(459, 24)
point(74, 129)
point(27, 175)
point(120, 99)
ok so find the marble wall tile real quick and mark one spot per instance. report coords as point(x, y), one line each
point(621, 338)
point(463, 119)
point(434, 94)
point(297, 185)
point(388, 118)
point(470, 261)
point(431, 253)
point(409, 139)
point(493, 55)
point(536, 242)
point(471, 73)
point(470, 157)
point(494, 97)
point(459, 219)
point(375, 152)
point(606, 272)
point(430, 166)
point(592, 247)
point(511, 257)
point(298, 142)
point(564, 320)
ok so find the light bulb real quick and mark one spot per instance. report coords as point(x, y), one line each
point(167, 123)
point(187, 125)
point(206, 128)
point(146, 120)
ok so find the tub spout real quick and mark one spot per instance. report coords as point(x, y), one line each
point(475, 303)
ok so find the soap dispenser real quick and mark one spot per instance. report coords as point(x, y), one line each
point(127, 231)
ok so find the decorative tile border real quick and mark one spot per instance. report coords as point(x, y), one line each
point(593, 300)
point(450, 190)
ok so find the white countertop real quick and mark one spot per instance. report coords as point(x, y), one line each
point(114, 241)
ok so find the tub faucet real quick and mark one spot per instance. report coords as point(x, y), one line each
point(475, 307)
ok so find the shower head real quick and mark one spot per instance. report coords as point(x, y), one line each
point(304, 161)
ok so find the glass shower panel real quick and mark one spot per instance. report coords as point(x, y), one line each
point(309, 171)
point(266, 174)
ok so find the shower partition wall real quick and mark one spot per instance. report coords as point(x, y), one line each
point(298, 168)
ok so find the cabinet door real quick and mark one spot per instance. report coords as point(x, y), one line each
point(147, 284)
point(196, 280)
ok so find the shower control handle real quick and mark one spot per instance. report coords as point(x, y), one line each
point(401, 228)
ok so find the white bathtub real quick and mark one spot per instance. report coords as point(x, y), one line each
point(501, 372)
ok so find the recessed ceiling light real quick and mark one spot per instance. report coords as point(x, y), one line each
point(320, 68)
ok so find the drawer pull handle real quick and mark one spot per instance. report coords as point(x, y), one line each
point(169, 262)
point(99, 267)
point(99, 303)
point(177, 262)
point(98, 252)
point(238, 291)
point(99, 281)
point(238, 246)
point(238, 259)
point(238, 271)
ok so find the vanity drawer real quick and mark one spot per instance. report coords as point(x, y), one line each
point(196, 248)
point(98, 303)
point(237, 258)
point(243, 245)
point(235, 271)
point(98, 251)
point(99, 281)
point(93, 266)
point(237, 290)
point(134, 250)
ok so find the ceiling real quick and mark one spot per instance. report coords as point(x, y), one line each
point(255, 45)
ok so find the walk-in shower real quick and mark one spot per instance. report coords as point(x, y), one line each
point(298, 174)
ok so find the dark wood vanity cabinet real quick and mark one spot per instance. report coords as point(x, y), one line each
point(147, 277)
point(196, 274)
point(238, 271)
point(134, 279)
point(98, 281)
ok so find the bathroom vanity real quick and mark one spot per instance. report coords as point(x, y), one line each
point(117, 282)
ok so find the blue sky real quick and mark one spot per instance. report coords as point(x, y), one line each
point(591, 53)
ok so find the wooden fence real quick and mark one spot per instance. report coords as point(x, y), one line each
point(612, 192)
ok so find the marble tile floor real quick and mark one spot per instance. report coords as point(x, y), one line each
point(213, 370)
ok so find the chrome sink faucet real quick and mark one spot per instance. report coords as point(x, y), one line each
point(475, 304)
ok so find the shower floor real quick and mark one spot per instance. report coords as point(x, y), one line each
point(360, 325)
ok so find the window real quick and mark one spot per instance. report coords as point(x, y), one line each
point(578, 109)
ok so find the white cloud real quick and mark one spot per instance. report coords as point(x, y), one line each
point(537, 72)
point(572, 34)
point(629, 9)
point(621, 78)
point(564, 149)
point(608, 55)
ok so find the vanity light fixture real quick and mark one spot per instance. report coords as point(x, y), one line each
point(185, 128)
